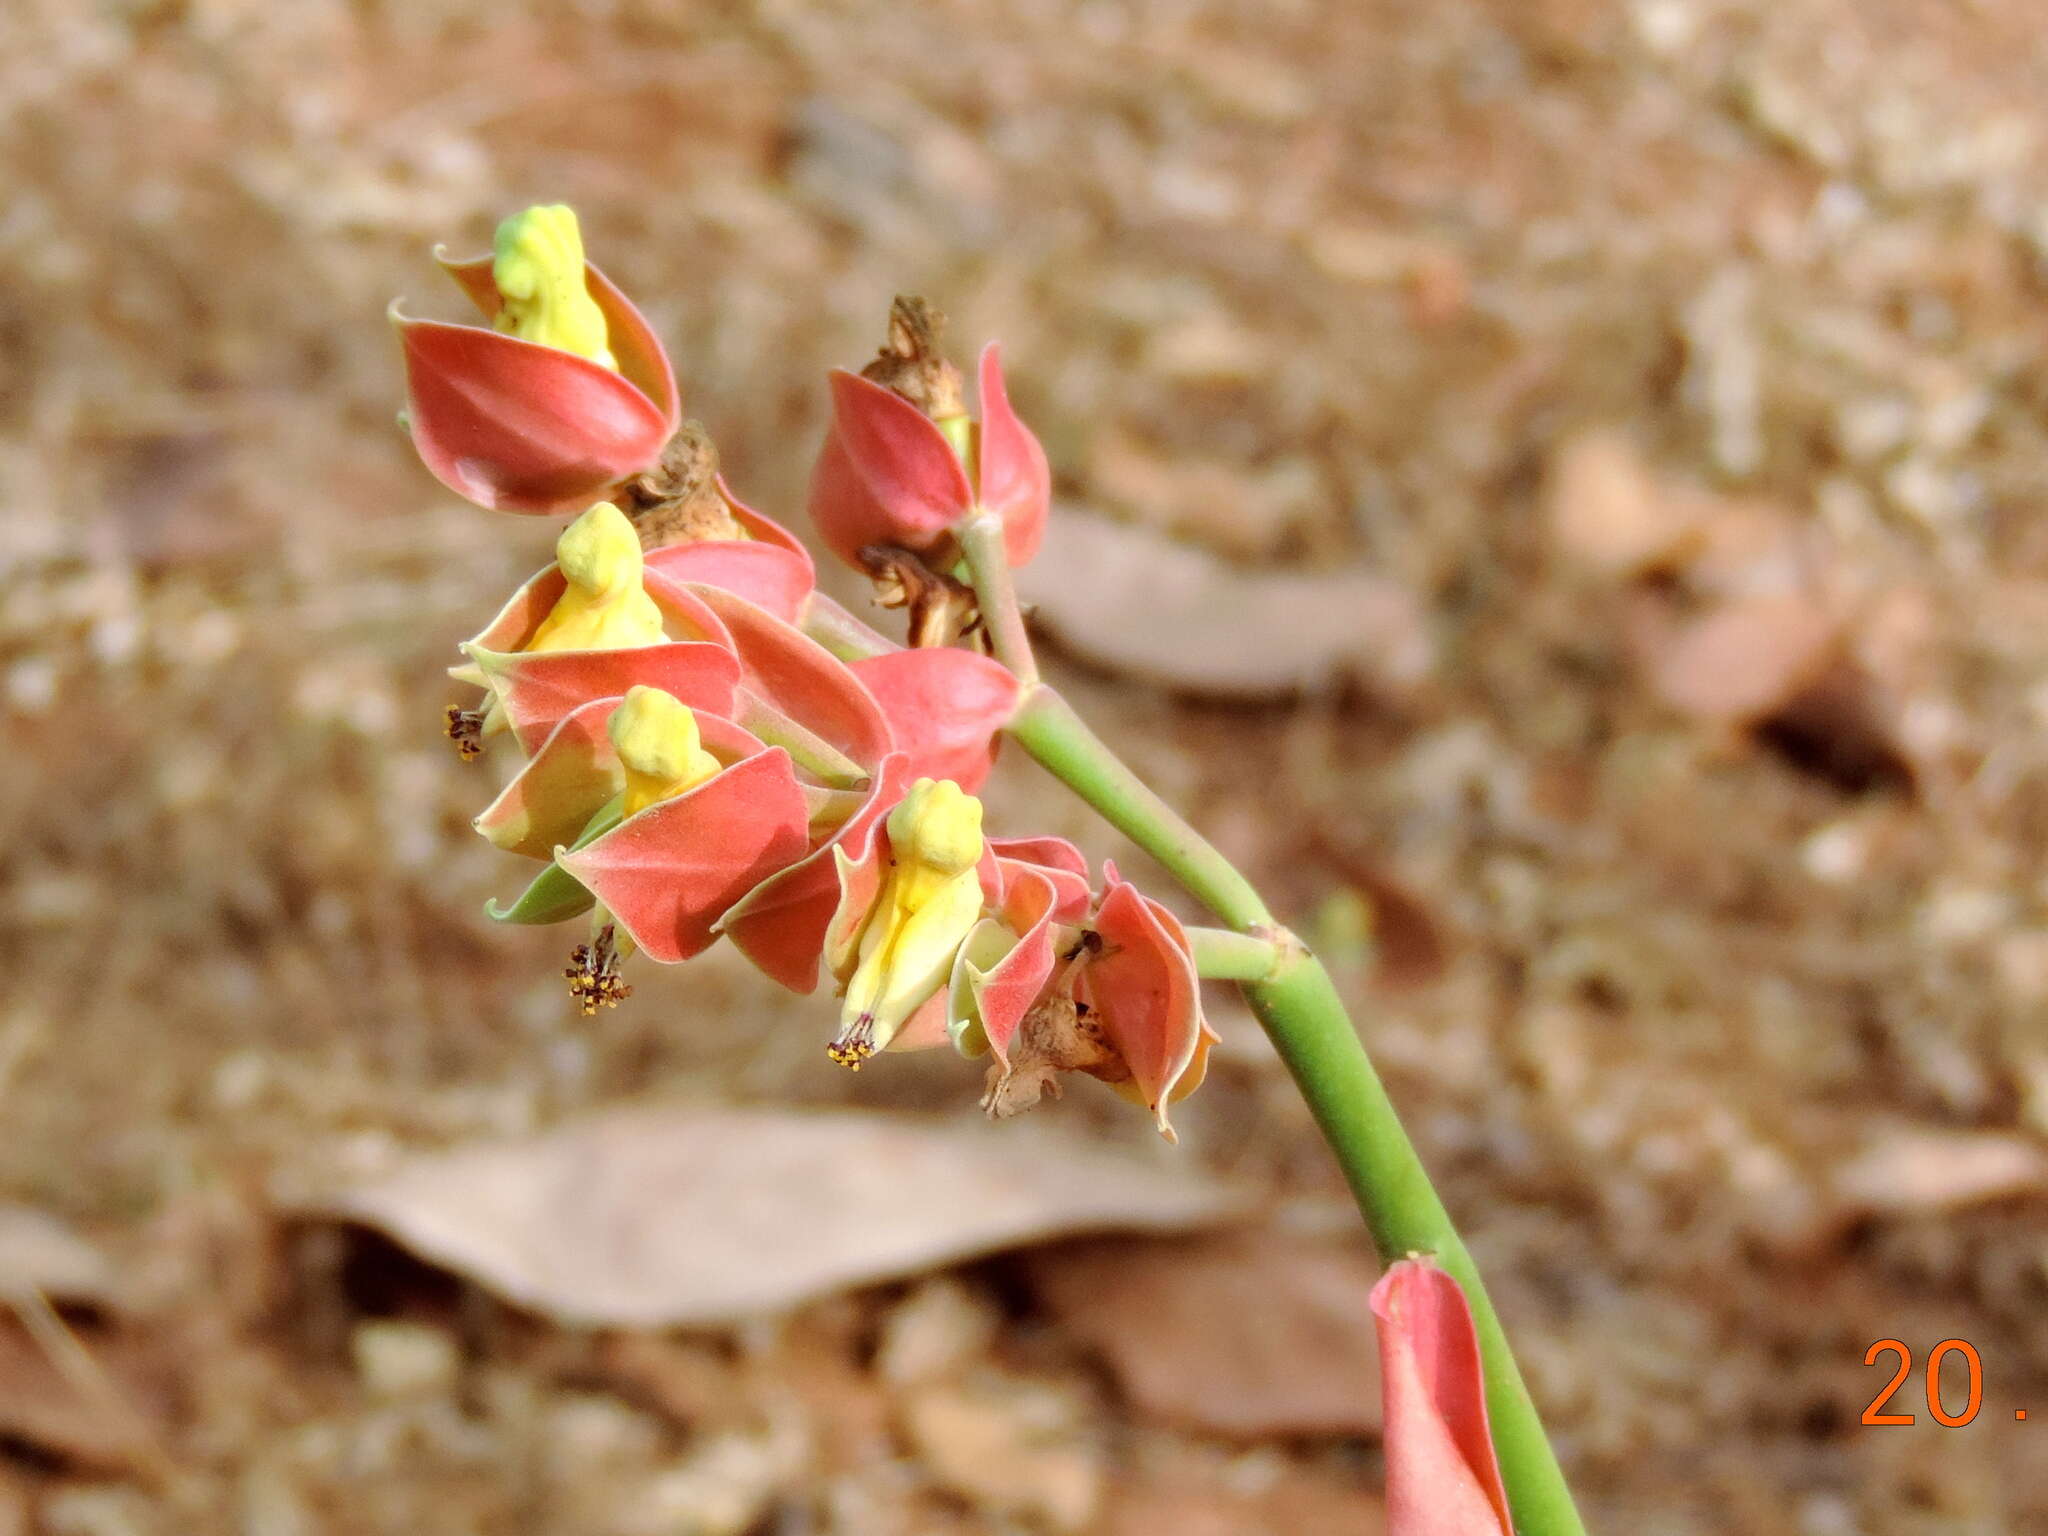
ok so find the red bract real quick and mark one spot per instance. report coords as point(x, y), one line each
point(768, 568)
point(575, 772)
point(814, 909)
point(1008, 959)
point(1442, 1478)
point(537, 688)
point(1056, 860)
point(783, 925)
point(519, 427)
point(668, 874)
point(888, 475)
point(1143, 990)
point(788, 680)
point(945, 708)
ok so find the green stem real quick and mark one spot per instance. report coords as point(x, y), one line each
point(840, 632)
point(806, 748)
point(1306, 1019)
point(1221, 955)
point(1302, 1012)
point(1046, 726)
point(988, 563)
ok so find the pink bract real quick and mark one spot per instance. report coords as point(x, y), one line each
point(887, 474)
point(1442, 1478)
point(784, 667)
point(668, 874)
point(946, 708)
point(515, 426)
point(769, 568)
point(574, 772)
point(783, 924)
point(1144, 990)
point(1008, 960)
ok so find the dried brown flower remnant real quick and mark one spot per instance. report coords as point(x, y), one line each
point(679, 500)
point(910, 363)
point(1057, 1036)
point(942, 609)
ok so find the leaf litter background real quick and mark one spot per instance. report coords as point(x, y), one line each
point(1592, 458)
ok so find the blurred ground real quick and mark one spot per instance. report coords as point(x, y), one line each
point(1675, 363)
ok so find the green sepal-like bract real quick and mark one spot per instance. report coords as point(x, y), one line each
point(554, 895)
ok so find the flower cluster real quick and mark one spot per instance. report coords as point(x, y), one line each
point(702, 745)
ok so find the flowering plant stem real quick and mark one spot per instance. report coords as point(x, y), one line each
point(982, 542)
point(1294, 998)
point(1221, 955)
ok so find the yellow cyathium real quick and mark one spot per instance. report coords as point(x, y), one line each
point(929, 901)
point(604, 606)
point(657, 740)
point(537, 264)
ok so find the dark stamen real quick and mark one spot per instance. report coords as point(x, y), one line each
point(854, 1043)
point(465, 727)
point(593, 974)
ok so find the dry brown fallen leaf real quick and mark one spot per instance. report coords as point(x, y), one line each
point(1247, 1333)
point(665, 1216)
point(1768, 621)
point(1742, 660)
point(1148, 606)
point(1014, 1447)
point(105, 1417)
point(39, 1253)
point(1906, 1170)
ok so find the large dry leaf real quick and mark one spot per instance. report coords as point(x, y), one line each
point(1133, 600)
point(1908, 1170)
point(658, 1217)
point(1250, 1333)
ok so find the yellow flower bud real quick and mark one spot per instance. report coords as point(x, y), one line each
point(604, 606)
point(656, 738)
point(929, 901)
point(538, 269)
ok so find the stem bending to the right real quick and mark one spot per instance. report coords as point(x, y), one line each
point(1221, 955)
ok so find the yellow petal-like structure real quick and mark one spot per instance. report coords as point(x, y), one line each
point(656, 737)
point(604, 606)
point(537, 264)
point(929, 902)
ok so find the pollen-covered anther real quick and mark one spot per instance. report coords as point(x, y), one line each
point(593, 974)
point(465, 727)
point(854, 1043)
